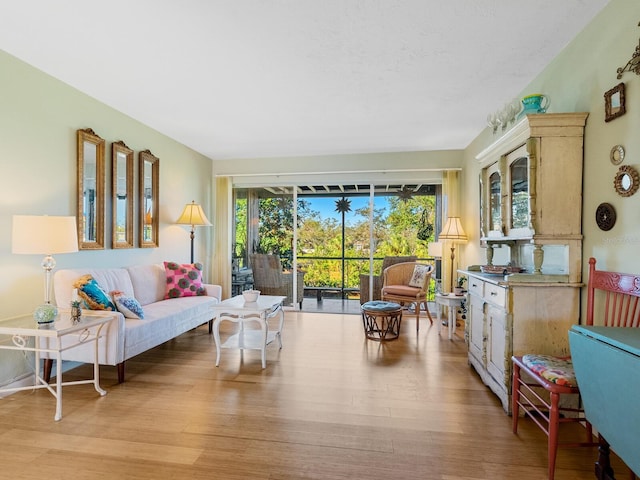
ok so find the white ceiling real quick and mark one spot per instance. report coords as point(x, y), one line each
point(264, 78)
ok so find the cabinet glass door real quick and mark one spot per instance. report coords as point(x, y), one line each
point(495, 209)
point(519, 174)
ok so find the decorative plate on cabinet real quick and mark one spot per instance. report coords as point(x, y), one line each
point(605, 216)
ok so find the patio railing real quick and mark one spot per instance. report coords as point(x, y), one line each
point(353, 268)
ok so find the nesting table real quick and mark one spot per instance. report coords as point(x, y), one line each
point(53, 339)
point(236, 310)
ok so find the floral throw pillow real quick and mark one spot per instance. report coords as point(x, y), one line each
point(128, 306)
point(183, 280)
point(92, 295)
point(419, 276)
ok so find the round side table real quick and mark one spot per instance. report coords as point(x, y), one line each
point(381, 320)
point(452, 302)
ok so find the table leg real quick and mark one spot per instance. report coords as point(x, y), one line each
point(439, 309)
point(216, 338)
point(96, 366)
point(264, 327)
point(452, 321)
point(58, 415)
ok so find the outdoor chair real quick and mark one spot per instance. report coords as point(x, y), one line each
point(270, 279)
point(377, 279)
point(408, 283)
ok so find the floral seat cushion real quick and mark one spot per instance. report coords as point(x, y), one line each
point(554, 369)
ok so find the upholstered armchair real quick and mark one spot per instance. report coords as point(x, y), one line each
point(377, 279)
point(408, 283)
point(270, 279)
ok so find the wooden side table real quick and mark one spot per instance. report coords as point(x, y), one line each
point(381, 320)
point(452, 302)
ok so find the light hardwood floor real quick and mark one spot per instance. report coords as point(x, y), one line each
point(329, 405)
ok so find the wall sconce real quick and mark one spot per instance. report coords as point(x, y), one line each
point(633, 65)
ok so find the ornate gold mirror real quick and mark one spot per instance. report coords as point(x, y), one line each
point(90, 216)
point(626, 181)
point(149, 179)
point(121, 195)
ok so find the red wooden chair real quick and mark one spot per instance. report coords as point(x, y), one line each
point(618, 296)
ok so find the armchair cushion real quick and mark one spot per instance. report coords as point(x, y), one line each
point(420, 273)
point(403, 290)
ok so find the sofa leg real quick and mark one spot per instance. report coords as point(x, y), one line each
point(120, 372)
point(46, 369)
point(210, 327)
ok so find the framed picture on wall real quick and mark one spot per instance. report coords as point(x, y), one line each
point(614, 103)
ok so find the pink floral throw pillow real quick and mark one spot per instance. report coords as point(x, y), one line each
point(183, 280)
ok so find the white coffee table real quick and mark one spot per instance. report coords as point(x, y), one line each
point(238, 311)
point(55, 338)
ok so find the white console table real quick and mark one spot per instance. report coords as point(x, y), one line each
point(53, 339)
point(238, 311)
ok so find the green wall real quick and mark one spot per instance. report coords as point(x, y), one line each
point(39, 116)
point(576, 81)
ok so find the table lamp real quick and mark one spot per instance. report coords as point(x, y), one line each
point(193, 215)
point(44, 235)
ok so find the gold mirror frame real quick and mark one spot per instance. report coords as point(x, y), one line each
point(121, 195)
point(91, 183)
point(626, 181)
point(148, 210)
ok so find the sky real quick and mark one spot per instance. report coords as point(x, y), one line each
point(327, 206)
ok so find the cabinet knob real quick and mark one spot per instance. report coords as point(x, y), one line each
point(494, 294)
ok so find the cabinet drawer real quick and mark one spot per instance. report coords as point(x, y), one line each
point(495, 294)
point(476, 286)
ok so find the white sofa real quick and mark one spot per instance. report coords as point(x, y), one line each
point(128, 337)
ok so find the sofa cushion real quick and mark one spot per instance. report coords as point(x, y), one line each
point(149, 282)
point(94, 297)
point(183, 280)
point(128, 306)
point(108, 278)
point(165, 320)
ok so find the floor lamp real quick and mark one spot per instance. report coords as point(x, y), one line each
point(44, 235)
point(193, 215)
point(453, 232)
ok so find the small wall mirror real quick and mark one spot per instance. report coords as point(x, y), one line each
point(149, 179)
point(121, 195)
point(91, 181)
point(626, 181)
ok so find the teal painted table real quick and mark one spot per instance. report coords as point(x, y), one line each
point(607, 365)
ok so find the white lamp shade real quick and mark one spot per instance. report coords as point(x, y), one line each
point(43, 234)
point(453, 231)
point(193, 215)
point(435, 249)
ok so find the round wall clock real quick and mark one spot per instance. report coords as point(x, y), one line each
point(605, 216)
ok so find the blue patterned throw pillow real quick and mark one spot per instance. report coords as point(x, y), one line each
point(92, 295)
point(128, 306)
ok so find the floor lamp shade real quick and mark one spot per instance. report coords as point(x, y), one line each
point(453, 232)
point(44, 235)
point(193, 215)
